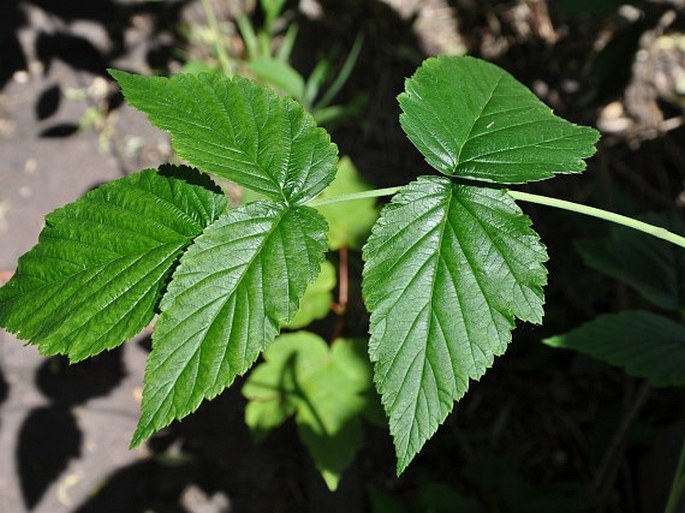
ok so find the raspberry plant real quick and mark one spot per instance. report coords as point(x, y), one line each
point(451, 263)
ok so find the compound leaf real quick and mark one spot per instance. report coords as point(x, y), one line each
point(238, 130)
point(643, 344)
point(327, 389)
point(239, 281)
point(472, 119)
point(96, 275)
point(447, 269)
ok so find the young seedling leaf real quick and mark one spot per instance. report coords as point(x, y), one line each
point(238, 130)
point(651, 266)
point(447, 269)
point(472, 119)
point(325, 388)
point(349, 223)
point(643, 344)
point(96, 275)
point(234, 287)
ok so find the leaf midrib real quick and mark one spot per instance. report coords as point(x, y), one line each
point(436, 261)
point(477, 118)
point(223, 301)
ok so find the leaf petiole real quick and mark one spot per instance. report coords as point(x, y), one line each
point(599, 213)
point(570, 206)
point(343, 198)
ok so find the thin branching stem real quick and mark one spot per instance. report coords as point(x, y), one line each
point(599, 213)
point(570, 206)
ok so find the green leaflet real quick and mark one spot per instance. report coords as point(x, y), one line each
point(448, 267)
point(238, 130)
point(241, 279)
point(472, 119)
point(653, 267)
point(643, 344)
point(327, 389)
point(96, 275)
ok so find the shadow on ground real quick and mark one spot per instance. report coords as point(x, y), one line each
point(50, 437)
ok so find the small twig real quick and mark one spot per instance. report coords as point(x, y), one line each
point(343, 293)
point(340, 308)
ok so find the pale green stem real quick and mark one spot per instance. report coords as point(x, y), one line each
point(214, 26)
point(629, 222)
point(376, 193)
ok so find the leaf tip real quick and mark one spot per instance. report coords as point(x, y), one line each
point(117, 74)
point(556, 341)
point(141, 434)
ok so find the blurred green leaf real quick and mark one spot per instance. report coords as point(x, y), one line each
point(279, 75)
point(643, 344)
point(349, 223)
point(325, 388)
point(195, 67)
point(651, 266)
point(272, 10)
point(317, 299)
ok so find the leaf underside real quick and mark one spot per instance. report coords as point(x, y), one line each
point(448, 268)
point(240, 280)
point(96, 275)
point(238, 130)
point(471, 119)
point(643, 344)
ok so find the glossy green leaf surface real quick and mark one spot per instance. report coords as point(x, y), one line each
point(96, 275)
point(327, 389)
point(448, 267)
point(471, 119)
point(349, 223)
point(238, 130)
point(317, 299)
point(653, 267)
point(234, 287)
point(643, 344)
